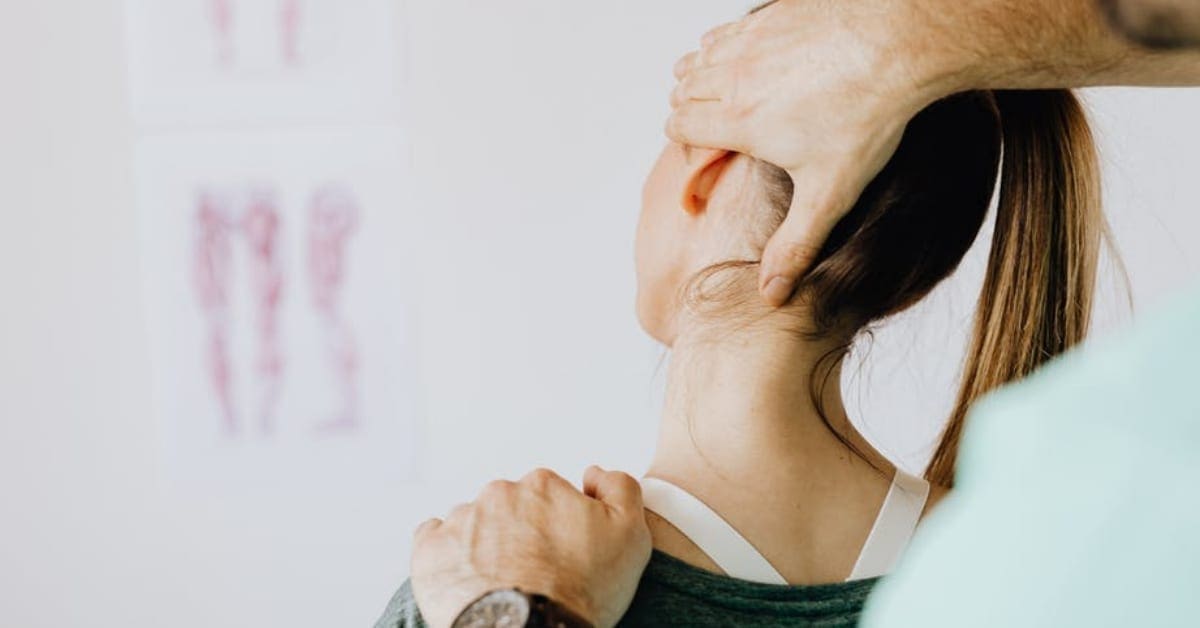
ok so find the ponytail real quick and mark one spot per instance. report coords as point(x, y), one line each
point(1037, 293)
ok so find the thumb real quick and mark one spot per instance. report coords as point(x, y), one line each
point(616, 489)
point(794, 247)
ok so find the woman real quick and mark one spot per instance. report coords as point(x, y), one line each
point(765, 505)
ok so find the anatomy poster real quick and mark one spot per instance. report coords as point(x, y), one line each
point(249, 61)
point(276, 293)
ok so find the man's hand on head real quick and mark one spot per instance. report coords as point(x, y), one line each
point(824, 90)
point(586, 550)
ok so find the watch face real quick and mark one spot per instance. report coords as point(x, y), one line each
point(498, 609)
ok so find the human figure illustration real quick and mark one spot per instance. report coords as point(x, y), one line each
point(332, 220)
point(290, 14)
point(260, 225)
point(289, 30)
point(213, 269)
point(221, 14)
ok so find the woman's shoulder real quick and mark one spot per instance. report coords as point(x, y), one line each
point(401, 611)
point(673, 592)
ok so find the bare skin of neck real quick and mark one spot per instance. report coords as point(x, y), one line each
point(740, 432)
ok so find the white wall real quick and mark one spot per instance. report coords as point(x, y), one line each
point(532, 126)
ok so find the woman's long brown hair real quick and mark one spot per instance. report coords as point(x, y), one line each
point(1037, 293)
point(917, 219)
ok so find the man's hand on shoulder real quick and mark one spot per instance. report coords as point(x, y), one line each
point(585, 550)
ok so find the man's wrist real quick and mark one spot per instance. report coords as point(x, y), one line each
point(962, 45)
point(565, 591)
point(552, 613)
point(927, 50)
point(572, 599)
point(516, 607)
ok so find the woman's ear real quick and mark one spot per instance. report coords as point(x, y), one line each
point(705, 167)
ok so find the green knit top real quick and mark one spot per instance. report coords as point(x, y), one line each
point(674, 593)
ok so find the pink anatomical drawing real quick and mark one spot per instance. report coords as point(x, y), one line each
point(223, 14)
point(332, 220)
point(289, 29)
point(242, 228)
point(260, 225)
point(213, 276)
point(279, 309)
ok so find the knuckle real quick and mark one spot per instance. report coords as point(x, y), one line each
point(460, 512)
point(541, 477)
point(678, 95)
point(733, 50)
point(730, 49)
point(625, 482)
point(719, 32)
point(424, 530)
point(797, 253)
point(678, 128)
point(496, 489)
point(630, 494)
point(672, 126)
point(686, 84)
point(684, 64)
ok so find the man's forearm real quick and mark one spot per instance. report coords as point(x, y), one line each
point(1035, 44)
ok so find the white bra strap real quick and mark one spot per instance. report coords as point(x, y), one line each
point(712, 534)
point(893, 527)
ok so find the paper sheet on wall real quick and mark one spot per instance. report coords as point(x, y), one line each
point(247, 61)
point(274, 268)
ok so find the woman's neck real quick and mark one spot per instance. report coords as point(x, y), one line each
point(740, 430)
point(743, 404)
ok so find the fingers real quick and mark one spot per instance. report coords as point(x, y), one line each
point(684, 65)
point(795, 246)
point(618, 490)
point(545, 480)
point(717, 55)
point(703, 84)
point(427, 527)
point(725, 51)
point(706, 124)
point(704, 102)
point(723, 31)
point(459, 514)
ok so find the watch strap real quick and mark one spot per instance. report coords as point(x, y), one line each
point(514, 607)
point(545, 612)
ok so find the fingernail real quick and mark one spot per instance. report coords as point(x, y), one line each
point(778, 290)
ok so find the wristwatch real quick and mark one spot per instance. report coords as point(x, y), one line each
point(514, 608)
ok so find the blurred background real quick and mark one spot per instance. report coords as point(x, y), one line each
point(282, 278)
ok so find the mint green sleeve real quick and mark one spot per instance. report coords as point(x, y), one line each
point(1077, 501)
